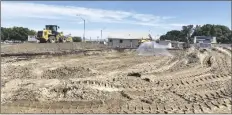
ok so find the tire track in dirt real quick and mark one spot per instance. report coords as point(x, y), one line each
point(99, 107)
point(223, 50)
point(151, 66)
point(100, 85)
point(163, 91)
point(189, 83)
point(184, 74)
point(168, 84)
point(222, 62)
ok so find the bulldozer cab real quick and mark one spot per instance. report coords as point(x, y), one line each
point(53, 28)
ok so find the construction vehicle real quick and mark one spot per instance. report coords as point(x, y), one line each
point(51, 35)
point(145, 39)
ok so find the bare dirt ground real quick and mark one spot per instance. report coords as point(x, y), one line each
point(191, 81)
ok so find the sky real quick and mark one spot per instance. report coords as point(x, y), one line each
point(114, 18)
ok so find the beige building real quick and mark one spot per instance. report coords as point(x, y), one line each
point(125, 40)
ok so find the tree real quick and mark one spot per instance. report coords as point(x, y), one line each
point(16, 33)
point(230, 37)
point(187, 32)
point(221, 32)
point(77, 39)
point(3, 37)
point(197, 31)
point(174, 35)
point(163, 37)
point(224, 34)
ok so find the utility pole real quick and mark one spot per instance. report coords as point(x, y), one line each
point(84, 31)
point(84, 27)
point(101, 31)
point(101, 34)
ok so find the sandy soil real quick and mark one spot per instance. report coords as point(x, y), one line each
point(191, 81)
point(44, 47)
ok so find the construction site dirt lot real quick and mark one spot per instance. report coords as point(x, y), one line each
point(111, 81)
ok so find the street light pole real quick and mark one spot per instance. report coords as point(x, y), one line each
point(84, 31)
point(84, 27)
point(101, 32)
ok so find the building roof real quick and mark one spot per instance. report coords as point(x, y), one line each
point(128, 36)
point(205, 37)
point(176, 42)
point(125, 38)
point(169, 41)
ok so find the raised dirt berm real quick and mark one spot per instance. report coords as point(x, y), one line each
point(48, 47)
point(33, 49)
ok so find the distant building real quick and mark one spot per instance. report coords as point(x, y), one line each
point(126, 40)
point(204, 41)
point(97, 41)
point(123, 42)
point(31, 38)
point(166, 43)
point(172, 44)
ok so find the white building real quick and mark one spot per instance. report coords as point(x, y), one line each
point(166, 43)
point(31, 38)
point(204, 41)
point(125, 40)
point(172, 44)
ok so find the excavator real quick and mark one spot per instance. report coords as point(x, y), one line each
point(51, 35)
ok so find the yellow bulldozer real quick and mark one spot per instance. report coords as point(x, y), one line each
point(51, 35)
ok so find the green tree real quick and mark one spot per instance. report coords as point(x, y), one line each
point(174, 35)
point(230, 37)
point(163, 37)
point(197, 31)
point(187, 32)
point(16, 33)
point(221, 32)
point(3, 37)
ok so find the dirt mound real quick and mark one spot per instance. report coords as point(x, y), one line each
point(191, 56)
point(41, 48)
point(54, 91)
point(18, 72)
point(69, 93)
point(68, 72)
point(199, 56)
